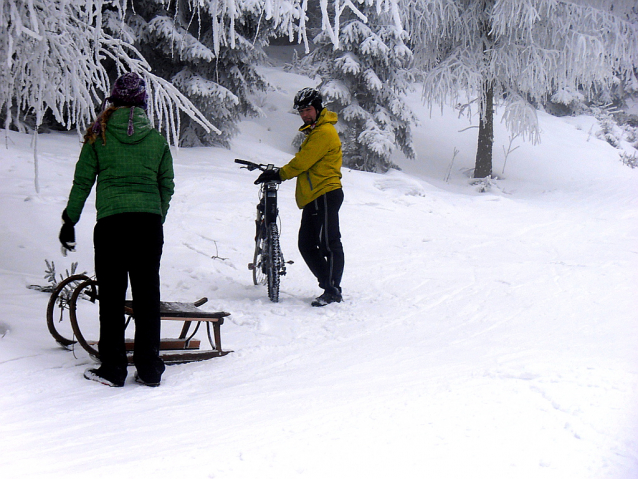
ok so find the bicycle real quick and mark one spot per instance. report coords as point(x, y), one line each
point(268, 261)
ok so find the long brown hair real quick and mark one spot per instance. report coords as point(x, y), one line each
point(98, 127)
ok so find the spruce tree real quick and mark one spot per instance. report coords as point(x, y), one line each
point(363, 79)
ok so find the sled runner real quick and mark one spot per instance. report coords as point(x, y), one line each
point(77, 296)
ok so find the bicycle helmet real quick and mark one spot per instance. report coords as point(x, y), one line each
point(308, 97)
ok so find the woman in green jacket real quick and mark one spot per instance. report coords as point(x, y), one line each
point(132, 164)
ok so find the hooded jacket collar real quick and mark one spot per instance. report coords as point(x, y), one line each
point(118, 125)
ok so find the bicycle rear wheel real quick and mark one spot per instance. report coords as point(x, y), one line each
point(258, 265)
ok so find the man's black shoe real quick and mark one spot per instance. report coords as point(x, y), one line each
point(327, 298)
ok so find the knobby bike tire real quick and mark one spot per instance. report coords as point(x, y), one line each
point(91, 290)
point(59, 299)
point(273, 262)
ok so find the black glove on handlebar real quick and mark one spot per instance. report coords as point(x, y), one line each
point(268, 175)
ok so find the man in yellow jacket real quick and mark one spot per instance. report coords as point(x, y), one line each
point(317, 167)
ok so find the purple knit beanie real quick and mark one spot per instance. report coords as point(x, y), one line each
point(129, 90)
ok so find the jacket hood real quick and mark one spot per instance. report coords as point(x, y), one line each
point(118, 125)
point(326, 116)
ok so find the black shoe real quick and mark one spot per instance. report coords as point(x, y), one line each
point(151, 384)
point(99, 377)
point(327, 298)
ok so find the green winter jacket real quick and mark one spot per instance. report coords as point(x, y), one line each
point(317, 165)
point(134, 173)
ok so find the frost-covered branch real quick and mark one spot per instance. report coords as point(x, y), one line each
point(53, 55)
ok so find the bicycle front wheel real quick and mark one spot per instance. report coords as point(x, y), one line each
point(274, 261)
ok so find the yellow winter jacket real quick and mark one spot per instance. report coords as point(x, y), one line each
point(317, 165)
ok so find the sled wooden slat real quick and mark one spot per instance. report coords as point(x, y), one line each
point(178, 357)
point(165, 344)
point(182, 311)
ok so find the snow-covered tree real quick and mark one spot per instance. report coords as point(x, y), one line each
point(516, 52)
point(363, 78)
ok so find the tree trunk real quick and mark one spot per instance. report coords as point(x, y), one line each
point(483, 165)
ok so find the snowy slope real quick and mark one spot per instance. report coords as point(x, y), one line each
point(484, 335)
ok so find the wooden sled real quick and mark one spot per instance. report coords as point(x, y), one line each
point(78, 289)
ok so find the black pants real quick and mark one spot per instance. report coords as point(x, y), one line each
point(129, 245)
point(320, 240)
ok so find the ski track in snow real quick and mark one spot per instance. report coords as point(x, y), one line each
point(482, 335)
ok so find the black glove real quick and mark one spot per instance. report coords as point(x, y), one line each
point(268, 175)
point(67, 234)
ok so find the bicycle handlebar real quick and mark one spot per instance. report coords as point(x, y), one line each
point(245, 162)
point(250, 166)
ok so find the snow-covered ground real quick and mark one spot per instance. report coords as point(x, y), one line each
point(483, 335)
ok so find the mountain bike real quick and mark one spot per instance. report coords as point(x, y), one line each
point(268, 261)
